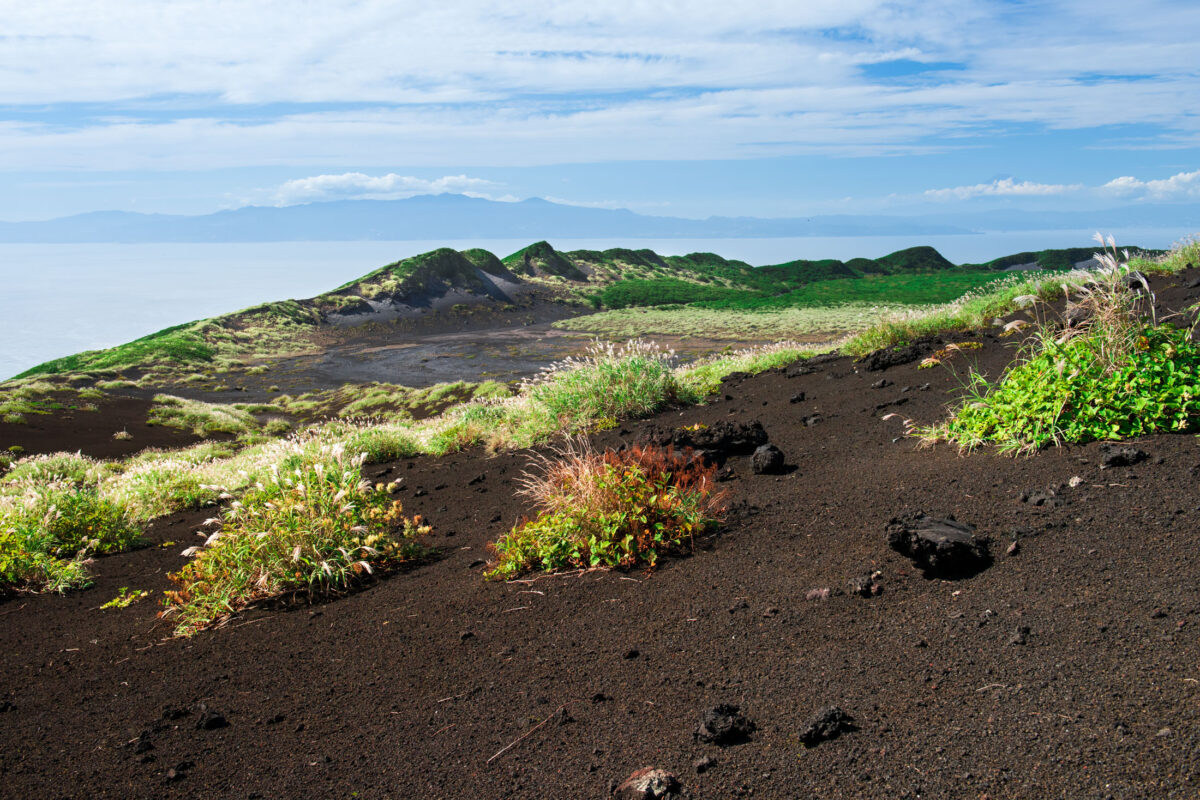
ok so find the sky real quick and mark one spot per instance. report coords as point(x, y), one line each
point(772, 108)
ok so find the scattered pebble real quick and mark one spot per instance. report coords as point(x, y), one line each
point(647, 783)
point(828, 723)
point(723, 725)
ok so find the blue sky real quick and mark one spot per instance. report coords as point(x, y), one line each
point(677, 108)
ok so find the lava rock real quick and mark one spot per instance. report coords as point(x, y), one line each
point(647, 783)
point(895, 356)
point(866, 585)
point(723, 725)
point(828, 723)
point(1136, 282)
point(1120, 455)
point(767, 460)
point(1047, 498)
point(942, 547)
point(717, 441)
point(209, 719)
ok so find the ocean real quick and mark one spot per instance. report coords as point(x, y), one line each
point(58, 299)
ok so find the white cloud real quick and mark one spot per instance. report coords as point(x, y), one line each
point(358, 185)
point(1004, 187)
point(202, 84)
point(1181, 186)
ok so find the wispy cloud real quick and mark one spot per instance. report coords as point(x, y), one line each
point(358, 185)
point(1181, 186)
point(199, 84)
point(1004, 187)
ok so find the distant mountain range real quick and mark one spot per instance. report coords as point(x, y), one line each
point(450, 216)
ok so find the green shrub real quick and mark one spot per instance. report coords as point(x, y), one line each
point(314, 528)
point(1107, 370)
point(619, 509)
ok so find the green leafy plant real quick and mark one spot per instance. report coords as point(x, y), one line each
point(1107, 369)
point(616, 509)
point(314, 528)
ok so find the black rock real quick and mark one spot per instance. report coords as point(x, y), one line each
point(1136, 282)
point(866, 585)
point(828, 723)
point(718, 441)
point(1047, 498)
point(814, 419)
point(882, 383)
point(704, 763)
point(942, 547)
point(1120, 455)
point(767, 460)
point(209, 719)
point(723, 725)
point(895, 356)
point(1019, 635)
point(798, 397)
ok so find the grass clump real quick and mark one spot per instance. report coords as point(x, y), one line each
point(313, 528)
point(202, 419)
point(616, 509)
point(48, 532)
point(1107, 369)
point(630, 380)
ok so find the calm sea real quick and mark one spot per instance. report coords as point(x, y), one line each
point(60, 299)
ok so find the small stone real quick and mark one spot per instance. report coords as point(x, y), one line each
point(465, 635)
point(1075, 482)
point(882, 383)
point(723, 725)
point(479, 562)
point(1164, 733)
point(767, 460)
point(1013, 548)
point(209, 719)
point(817, 594)
point(828, 723)
point(704, 764)
point(798, 397)
point(1120, 455)
point(1020, 635)
point(647, 783)
point(631, 654)
point(866, 585)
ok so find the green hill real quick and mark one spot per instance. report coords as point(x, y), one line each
point(614, 278)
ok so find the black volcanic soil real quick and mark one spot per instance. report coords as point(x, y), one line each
point(91, 432)
point(416, 686)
